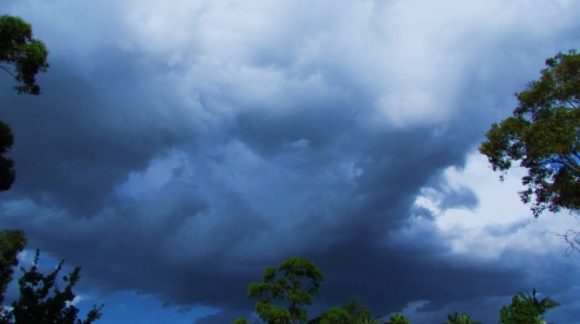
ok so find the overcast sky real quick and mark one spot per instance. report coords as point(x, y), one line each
point(180, 147)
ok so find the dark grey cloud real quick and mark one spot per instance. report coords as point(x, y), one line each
point(179, 162)
point(79, 126)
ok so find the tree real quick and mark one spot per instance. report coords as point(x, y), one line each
point(352, 312)
point(293, 283)
point(240, 320)
point(42, 301)
point(543, 135)
point(336, 315)
point(11, 244)
point(526, 308)
point(399, 318)
point(21, 55)
point(359, 312)
point(457, 318)
point(27, 56)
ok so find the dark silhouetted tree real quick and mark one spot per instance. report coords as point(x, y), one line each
point(543, 136)
point(11, 244)
point(22, 57)
point(42, 301)
point(294, 283)
point(6, 164)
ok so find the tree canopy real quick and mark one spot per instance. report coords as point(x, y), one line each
point(398, 318)
point(526, 308)
point(543, 135)
point(285, 290)
point(11, 244)
point(352, 312)
point(294, 283)
point(42, 301)
point(463, 318)
point(335, 315)
point(21, 55)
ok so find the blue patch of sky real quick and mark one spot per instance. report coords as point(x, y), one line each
point(119, 307)
point(130, 307)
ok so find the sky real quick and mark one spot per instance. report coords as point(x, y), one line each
point(180, 147)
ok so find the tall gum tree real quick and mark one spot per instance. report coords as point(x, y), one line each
point(293, 284)
point(543, 136)
point(21, 57)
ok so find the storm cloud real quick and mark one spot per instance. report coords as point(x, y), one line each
point(177, 149)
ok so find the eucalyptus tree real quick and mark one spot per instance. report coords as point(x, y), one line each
point(285, 290)
point(21, 56)
point(543, 136)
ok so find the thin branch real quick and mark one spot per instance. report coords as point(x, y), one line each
point(8, 71)
point(572, 239)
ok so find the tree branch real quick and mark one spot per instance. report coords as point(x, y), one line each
point(572, 239)
point(8, 71)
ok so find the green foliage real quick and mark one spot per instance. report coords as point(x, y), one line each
point(26, 55)
point(336, 315)
point(359, 312)
point(23, 57)
point(543, 135)
point(457, 318)
point(526, 308)
point(240, 320)
point(399, 318)
point(11, 244)
point(42, 301)
point(293, 283)
point(352, 312)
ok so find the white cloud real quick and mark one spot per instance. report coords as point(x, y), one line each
point(77, 299)
point(410, 56)
point(501, 222)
